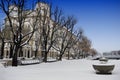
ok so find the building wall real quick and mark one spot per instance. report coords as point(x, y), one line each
point(29, 50)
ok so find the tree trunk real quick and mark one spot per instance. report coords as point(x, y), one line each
point(60, 57)
point(11, 51)
point(36, 51)
point(68, 55)
point(2, 50)
point(45, 57)
point(78, 57)
point(14, 59)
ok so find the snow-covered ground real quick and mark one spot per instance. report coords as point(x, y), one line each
point(62, 70)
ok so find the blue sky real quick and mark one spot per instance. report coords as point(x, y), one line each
point(100, 20)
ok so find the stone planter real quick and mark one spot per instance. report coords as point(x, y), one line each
point(103, 60)
point(103, 68)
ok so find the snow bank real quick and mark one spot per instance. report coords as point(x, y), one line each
point(62, 70)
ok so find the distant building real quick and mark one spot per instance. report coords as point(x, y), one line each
point(112, 55)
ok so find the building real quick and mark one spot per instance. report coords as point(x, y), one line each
point(28, 51)
point(112, 55)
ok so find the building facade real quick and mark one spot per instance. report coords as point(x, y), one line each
point(28, 51)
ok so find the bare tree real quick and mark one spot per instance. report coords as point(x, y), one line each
point(49, 23)
point(85, 45)
point(76, 44)
point(2, 39)
point(5, 38)
point(67, 36)
point(16, 17)
point(93, 52)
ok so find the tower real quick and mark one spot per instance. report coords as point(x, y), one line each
point(43, 8)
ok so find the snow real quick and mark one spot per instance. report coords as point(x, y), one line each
point(62, 70)
point(105, 64)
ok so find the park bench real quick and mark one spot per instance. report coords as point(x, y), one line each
point(28, 61)
point(7, 63)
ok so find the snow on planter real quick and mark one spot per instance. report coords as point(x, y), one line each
point(104, 68)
